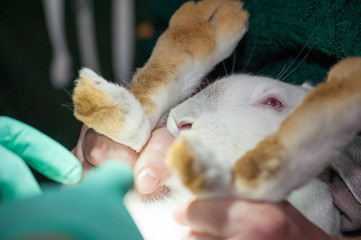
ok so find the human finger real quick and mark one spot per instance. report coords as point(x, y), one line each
point(97, 148)
point(226, 218)
point(198, 236)
point(78, 149)
point(16, 179)
point(41, 152)
point(150, 168)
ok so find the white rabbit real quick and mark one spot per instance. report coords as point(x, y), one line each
point(231, 116)
point(248, 137)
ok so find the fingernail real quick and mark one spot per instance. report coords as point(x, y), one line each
point(147, 181)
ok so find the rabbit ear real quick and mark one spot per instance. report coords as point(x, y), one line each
point(307, 141)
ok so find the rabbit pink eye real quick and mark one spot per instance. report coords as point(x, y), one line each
point(274, 103)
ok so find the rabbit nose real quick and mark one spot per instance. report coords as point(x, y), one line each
point(176, 127)
point(184, 126)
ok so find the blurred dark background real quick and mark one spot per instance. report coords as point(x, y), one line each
point(26, 92)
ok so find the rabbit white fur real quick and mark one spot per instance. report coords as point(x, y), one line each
point(250, 137)
point(231, 116)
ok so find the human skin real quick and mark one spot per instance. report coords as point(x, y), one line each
point(227, 219)
point(150, 171)
point(231, 219)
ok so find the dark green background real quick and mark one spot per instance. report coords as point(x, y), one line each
point(25, 54)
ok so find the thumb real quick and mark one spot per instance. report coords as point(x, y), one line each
point(150, 167)
point(113, 176)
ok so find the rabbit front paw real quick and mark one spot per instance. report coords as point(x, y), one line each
point(110, 109)
point(207, 173)
point(201, 169)
point(262, 173)
point(208, 29)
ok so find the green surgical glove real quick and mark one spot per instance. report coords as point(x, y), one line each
point(20, 145)
point(92, 210)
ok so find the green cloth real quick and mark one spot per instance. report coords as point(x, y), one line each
point(303, 37)
point(322, 32)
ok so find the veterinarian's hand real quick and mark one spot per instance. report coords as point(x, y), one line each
point(239, 219)
point(150, 170)
point(93, 149)
point(20, 145)
point(91, 210)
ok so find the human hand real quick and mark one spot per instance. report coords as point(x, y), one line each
point(20, 145)
point(91, 210)
point(93, 149)
point(240, 219)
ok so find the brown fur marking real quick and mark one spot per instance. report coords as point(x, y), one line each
point(345, 70)
point(333, 97)
point(189, 37)
point(230, 25)
point(177, 46)
point(94, 108)
point(263, 162)
point(180, 160)
point(207, 8)
point(328, 99)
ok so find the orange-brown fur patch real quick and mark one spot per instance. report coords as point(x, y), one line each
point(345, 70)
point(230, 25)
point(342, 87)
point(264, 162)
point(181, 161)
point(177, 46)
point(190, 36)
point(207, 8)
point(333, 97)
point(94, 108)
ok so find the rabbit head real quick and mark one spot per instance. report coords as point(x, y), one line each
point(233, 114)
